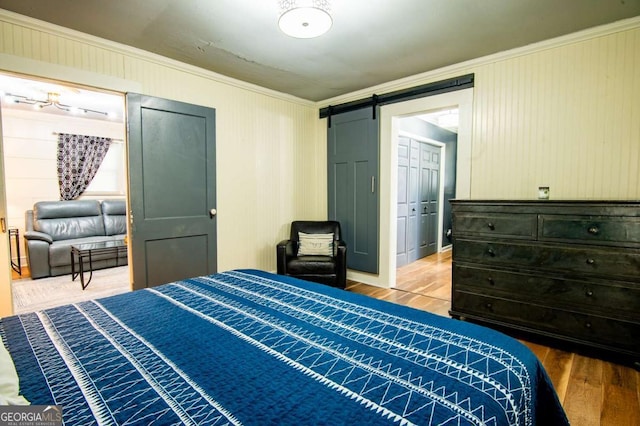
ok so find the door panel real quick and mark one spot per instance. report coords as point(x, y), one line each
point(403, 202)
point(429, 199)
point(164, 129)
point(172, 190)
point(414, 202)
point(352, 157)
point(159, 257)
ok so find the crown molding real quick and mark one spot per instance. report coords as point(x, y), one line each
point(119, 48)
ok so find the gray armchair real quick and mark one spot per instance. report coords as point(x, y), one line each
point(328, 268)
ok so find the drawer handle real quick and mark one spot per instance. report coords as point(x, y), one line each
point(491, 281)
point(587, 324)
point(593, 230)
point(488, 305)
point(491, 226)
point(591, 262)
point(491, 252)
point(589, 293)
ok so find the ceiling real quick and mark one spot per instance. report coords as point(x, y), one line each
point(371, 41)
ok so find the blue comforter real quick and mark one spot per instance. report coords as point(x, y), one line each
point(249, 347)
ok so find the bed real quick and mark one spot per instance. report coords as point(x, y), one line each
point(250, 347)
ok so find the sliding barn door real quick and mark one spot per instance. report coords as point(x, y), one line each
point(353, 185)
point(172, 190)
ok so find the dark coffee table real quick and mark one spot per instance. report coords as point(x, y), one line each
point(82, 253)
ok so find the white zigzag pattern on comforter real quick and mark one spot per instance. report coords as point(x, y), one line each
point(118, 363)
point(347, 368)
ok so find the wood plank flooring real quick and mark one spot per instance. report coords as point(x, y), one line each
point(25, 273)
point(593, 391)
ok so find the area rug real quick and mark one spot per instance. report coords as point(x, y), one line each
point(34, 295)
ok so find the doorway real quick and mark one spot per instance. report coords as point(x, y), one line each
point(427, 151)
point(390, 117)
point(34, 112)
point(149, 107)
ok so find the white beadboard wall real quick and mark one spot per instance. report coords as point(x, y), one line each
point(567, 118)
point(270, 161)
point(564, 113)
point(30, 147)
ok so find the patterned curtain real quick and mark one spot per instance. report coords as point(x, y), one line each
point(79, 158)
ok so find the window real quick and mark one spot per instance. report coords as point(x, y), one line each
point(110, 178)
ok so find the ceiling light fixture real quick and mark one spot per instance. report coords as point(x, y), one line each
point(53, 99)
point(305, 18)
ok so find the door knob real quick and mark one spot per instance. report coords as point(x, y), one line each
point(212, 213)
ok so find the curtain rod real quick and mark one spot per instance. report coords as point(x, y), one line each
point(113, 139)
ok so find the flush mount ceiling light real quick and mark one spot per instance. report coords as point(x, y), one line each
point(53, 99)
point(304, 18)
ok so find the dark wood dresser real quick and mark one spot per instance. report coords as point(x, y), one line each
point(569, 270)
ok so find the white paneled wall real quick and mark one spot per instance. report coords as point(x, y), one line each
point(566, 117)
point(270, 158)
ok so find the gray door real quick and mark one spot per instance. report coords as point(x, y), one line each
point(352, 156)
point(402, 211)
point(418, 200)
point(408, 197)
point(172, 190)
point(429, 197)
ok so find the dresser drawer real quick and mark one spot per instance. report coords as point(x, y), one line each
point(600, 331)
point(590, 229)
point(609, 298)
point(523, 226)
point(604, 262)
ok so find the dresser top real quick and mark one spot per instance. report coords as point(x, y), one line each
point(627, 208)
point(536, 201)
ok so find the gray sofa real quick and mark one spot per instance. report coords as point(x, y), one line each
point(53, 226)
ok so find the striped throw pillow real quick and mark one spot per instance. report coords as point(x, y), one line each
point(315, 244)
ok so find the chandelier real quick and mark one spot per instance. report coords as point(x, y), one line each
point(304, 18)
point(53, 100)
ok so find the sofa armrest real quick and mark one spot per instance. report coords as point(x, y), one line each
point(37, 251)
point(39, 236)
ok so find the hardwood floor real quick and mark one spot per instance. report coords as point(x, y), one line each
point(593, 391)
point(25, 273)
